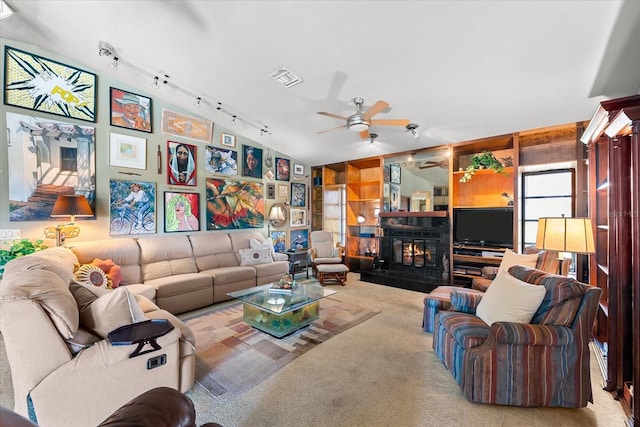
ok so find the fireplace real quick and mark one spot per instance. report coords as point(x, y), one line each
point(414, 251)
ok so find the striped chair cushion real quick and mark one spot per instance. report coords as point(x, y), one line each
point(547, 260)
point(466, 329)
point(561, 301)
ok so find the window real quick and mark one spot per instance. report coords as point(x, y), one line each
point(335, 218)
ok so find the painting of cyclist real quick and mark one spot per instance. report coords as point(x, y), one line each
point(137, 201)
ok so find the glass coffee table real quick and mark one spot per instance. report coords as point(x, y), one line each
point(280, 313)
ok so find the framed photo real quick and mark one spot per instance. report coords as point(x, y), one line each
point(40, 156)
point(298, 217)
point(271, 190)
point(298, 169)
point(130, 110)
point(234, 204)
point(279, 241)
point(132, 207)
point(186, 126)
point(283, 191)
point(395, 174)
point(386, 171)
point(181, 212)
point(298, 194)
point(221, 161)
point(282, 169)
point(269, 175)
point(181, 163)
point(227, 140)
point(299, 239)
point(40, 84)
point(128, 151)
point(252, 164)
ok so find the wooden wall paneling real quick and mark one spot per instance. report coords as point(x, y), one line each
point(635, 273)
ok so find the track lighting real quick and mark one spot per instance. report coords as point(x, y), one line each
point(114, 64)
point(233, 119)
point(373, 136)
point(412, 128)
point(198, 102)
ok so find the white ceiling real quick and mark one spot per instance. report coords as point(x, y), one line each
point(461, 70)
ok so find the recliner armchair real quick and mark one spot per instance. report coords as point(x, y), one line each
point(322, 250)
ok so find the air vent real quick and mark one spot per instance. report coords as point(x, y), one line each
point(286, 77)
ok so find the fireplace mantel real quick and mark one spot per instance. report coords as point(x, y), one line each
point(403, 214)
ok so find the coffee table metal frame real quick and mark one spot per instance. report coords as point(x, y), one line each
point(281, 313)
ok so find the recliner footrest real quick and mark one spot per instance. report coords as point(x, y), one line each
point(332, 272)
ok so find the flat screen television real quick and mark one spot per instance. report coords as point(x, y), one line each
point(483, 227)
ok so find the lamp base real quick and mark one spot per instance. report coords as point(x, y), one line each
point(61, 232)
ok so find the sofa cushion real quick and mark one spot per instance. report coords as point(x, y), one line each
point(166, 256)
point(467, 329)
point(124, 252)
point(229, 275)
point(110, 311)
point(511, 258)
point(562, 298)
point(509, 300)
point(255, 256)
point(213, 251)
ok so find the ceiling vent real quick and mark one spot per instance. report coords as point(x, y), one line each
point(286, 77)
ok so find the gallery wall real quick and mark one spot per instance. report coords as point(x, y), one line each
point(109, 156)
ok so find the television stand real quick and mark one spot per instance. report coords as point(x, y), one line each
point(469, 260)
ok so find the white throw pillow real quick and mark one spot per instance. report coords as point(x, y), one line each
point(255, 256)
point(509, 300)
point(267, 244)
point(110, 311)
point(511, 258)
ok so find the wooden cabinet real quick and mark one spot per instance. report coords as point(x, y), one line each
point(364, 196)
point(316, 199)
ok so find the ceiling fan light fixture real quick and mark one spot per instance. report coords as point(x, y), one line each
point(357, 123)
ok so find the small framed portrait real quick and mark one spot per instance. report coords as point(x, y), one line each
point(283, 191)
point(282, 169)
point(128, 151)
point(298, 194)
point(298, 217)
point(278, 239)
point(386, 173)
point(181, 211)
point(181, 163)
point(395, 174)
point(221, 161)
point(130, 110)
point(298, 169)
point(227, 140)
point(252, 162)
point(299, 239)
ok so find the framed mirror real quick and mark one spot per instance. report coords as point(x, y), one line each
point(278, 215)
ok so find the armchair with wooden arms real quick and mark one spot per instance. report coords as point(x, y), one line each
point(323, 251)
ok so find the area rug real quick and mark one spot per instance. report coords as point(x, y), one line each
point(232, 357)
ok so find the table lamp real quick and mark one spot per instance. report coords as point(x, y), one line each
point(67, 205)
point(277, 216)
point(565, 235)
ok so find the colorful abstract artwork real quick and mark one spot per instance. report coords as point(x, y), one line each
point(181, 211)
point(186, 126)
point(234, 204)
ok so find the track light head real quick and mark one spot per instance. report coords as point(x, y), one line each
point(105, 49)
point(412, 128)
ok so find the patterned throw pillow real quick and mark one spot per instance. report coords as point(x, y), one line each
point(89, 274)
point(267, 244)
point(255, 256)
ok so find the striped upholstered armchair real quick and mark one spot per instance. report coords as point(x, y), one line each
point(542, 363)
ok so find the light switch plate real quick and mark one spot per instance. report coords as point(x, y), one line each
point(9, 234)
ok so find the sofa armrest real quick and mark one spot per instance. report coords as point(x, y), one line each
point(531, 334)
point(281, 257)
point(465, 302)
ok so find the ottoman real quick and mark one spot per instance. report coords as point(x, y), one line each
point(332, 272)
point(437, 300)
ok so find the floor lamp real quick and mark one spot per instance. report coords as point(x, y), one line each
point(565, 235)
point(72, 206)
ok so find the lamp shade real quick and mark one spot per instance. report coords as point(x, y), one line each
point(276, 213)
point(71, 205)
point(565, 235)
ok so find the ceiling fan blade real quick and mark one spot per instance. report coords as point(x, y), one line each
point(375, 109)
point(390, 122)
point(329, 130)
point(365, 134)
point(335, 116)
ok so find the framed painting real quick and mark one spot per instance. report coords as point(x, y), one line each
point(234, 204)
point(186, 126)
point(395, 174)
point(227, 140)
point(283, 191)
point(298, 217)
point(130, 110)
point(132, 207)
point(128, 151)
point(46, 156)
point(386, 172)
point(282, 169)
point(279, 241)
point(181, 163)
point(299, 239)
point(298, 194)
point(224, 162)
point(252, 164)
point(40, 84)
point(298, 169)
point(181, 212)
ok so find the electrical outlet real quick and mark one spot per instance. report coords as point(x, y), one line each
point(9, 234)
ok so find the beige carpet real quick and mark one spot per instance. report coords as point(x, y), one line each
point(232, 357)
point(381, 372)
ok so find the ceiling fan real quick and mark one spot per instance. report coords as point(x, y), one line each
point(360, 122)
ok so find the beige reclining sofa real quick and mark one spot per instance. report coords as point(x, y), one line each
point(55, 329)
